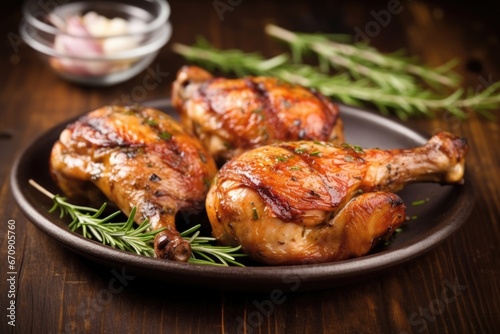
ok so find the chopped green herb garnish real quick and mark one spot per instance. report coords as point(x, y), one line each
point(255, 215)
point(165, 135)
point(393, 236)
point(300, 150)
point(281, 158)
point(151, 121)
point(295, 168)
point(315, 154)
point(358, 149)
point(420, 202)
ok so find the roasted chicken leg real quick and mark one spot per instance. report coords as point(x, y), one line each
point(303, 202)
point(137, 157)
point(231, 116)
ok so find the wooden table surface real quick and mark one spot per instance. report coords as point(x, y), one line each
point(453, 288)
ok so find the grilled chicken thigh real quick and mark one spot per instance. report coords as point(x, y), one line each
point(303, 202)
point(231, 116)
point(137, 157)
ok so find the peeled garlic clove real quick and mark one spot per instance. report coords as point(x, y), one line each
point(117, 26)
point(117, 44)
point(95, 24)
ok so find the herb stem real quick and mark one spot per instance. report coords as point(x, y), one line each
point(346, 55)
point(125, 236)
point(361, 75)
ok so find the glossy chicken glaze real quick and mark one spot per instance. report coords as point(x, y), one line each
point(136, 157)
point(303, 202)
point(231, 116)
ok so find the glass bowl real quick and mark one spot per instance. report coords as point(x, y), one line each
point(97, 43)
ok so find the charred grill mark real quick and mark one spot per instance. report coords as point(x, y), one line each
point(396, 201)
point(154, 178)
point(310, 161)
point(101, 134)
point(278, 205)
point(330, 112)
point(280, 130)
point(205, 94)
point(172, 154)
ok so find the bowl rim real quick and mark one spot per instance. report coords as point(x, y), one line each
point(156, 24)
point(160, 39)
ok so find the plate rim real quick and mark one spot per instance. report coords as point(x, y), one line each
point(265, 278)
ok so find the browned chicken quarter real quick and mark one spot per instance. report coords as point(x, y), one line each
point(231, 116)
point(309, 202)
point(140, 157)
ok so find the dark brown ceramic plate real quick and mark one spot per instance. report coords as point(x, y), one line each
point(447, 209)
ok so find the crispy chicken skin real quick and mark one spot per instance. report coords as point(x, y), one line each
point(138, 157)
point(308, 202)
point(231, 116)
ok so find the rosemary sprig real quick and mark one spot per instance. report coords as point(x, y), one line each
point(203, 252)
point(140, 240)
point(364, 81)
point(386, 70)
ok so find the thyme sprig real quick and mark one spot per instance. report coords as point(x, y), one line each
point(354, 74)
point(140, 240)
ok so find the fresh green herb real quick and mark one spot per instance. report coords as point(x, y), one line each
point(300, 150)
point(151, 121)
point(315, 154)
point(121, 235)
point(394, 235)
point(354, 74)
point(255, 214)
point(125, 236)
point(358, 149)
point(165, 135)
point(394, 71)
point(420, 202)
point(355, 148)
point(281, 158)
point(204, 252)
point(295, 168)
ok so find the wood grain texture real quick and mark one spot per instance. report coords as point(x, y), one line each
point(454, 288)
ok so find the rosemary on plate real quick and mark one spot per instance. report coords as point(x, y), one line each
point(140, 240)
point(355, 74)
